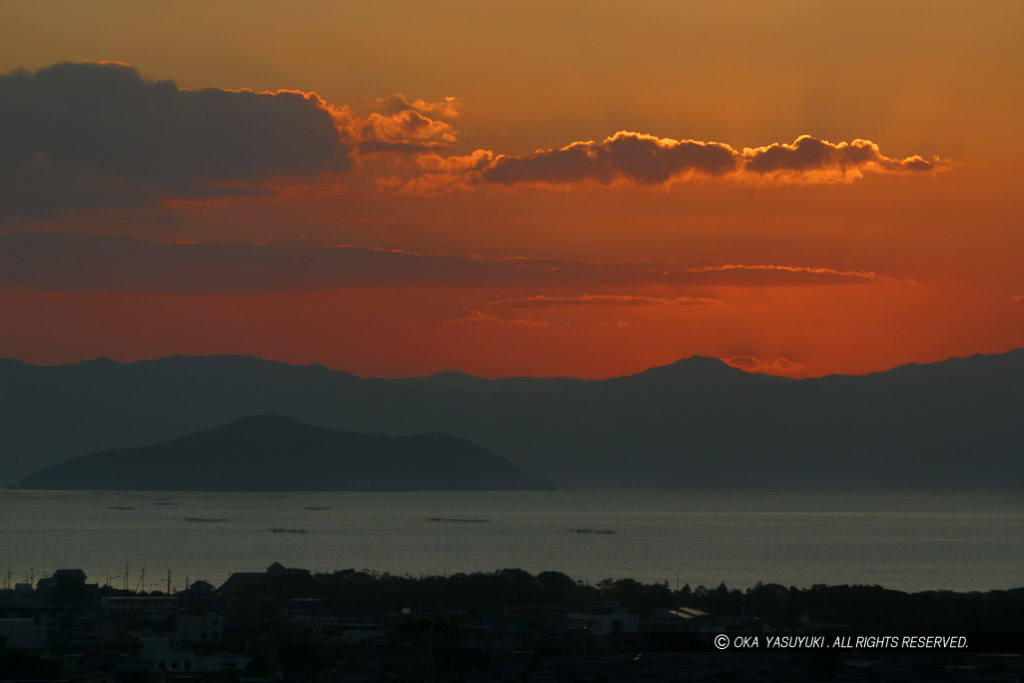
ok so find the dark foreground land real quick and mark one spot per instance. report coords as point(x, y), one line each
point(508, 625)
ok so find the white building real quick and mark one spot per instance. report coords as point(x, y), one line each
point(200, 628)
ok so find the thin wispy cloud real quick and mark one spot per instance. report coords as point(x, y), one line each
point(80, 263)
point(865, 275)
point(543, 300)
point(779, 366)
point(480, 319)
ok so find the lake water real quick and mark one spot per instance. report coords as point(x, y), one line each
point(907, 540)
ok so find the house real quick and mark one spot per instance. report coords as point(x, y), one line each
point(69, 576)
point(676, 620)
point(240, 580)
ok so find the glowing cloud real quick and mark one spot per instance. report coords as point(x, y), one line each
point(639, 159)
point(394, 124)
point(635, 157)
point(811, 160)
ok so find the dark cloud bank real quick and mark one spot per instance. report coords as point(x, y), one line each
point(98, 134)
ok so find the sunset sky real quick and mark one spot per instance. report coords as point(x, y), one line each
point(584, 189)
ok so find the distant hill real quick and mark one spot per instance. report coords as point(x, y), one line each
point(273, 453)
point(694, 423)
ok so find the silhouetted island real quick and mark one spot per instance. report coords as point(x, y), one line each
point(274, 453)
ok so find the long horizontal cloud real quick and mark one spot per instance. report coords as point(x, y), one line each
point(640, 159)
point(99, 134)
point(81, 263)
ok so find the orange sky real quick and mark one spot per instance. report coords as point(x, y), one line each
point(506, 226)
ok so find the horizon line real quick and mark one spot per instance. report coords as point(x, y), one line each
point(756, 370)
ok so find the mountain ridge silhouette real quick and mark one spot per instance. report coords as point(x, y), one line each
point(694, 423)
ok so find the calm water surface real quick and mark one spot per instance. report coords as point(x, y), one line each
point(900, 539)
